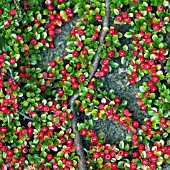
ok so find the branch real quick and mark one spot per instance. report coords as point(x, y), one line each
point(77, 139)
point(26, 117)
point(101, 39)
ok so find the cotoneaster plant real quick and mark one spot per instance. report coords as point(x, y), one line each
point(40, 108)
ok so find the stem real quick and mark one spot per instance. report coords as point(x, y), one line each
point(101, 39)
point(26, 117)
point(77, 139)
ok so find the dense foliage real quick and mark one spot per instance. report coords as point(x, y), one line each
point(39, 107)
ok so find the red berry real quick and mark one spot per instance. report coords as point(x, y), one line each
point(117, 100)
point(83, 132)
point(68, 10)
point(149, 9)
point(98, 17)
point(33, 41)
point(81, 78)
point(52, 63)
point(153, 89)
point(147, 94)
point(110, 54)
point(105, 61)
point(119, 18)
point(160, 8)
point(75, 53)
point(84, 51)
point(122, 53)
point(136, 154)
point(12, 12)
point(12, 60)
point(143, 107)
point(19, 38)
point(156, 27)
point(60, 92)
point(135, 124)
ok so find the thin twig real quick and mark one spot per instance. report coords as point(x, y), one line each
point(26, 117)
point(77, 139)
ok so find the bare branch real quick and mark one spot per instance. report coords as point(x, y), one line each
point(77, 139)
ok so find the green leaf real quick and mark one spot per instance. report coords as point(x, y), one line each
point(121, 145)
point(125, 47)
point(128, 35)
point(116, 12)
point(155, 38)
point(143, 154)
point(31, 2)
point(142, 89)
point(127, 147)
point(152, 95)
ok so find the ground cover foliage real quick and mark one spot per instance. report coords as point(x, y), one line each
point(54, 109)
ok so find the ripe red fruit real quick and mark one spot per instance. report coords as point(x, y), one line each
point(117, 100)
point(91, 86)
point(155, 79)
point(3, 129)
point(136, 154)
point(60, 1)
point(156, 27)
point(160, 8)
point(134, 75)
point(124, 15)
point(89, 95)
point(50, 74)
point(121, 152)
point(19, 38)
point(105, 61)
point(94, 139)
point(119, 18)
point(75, 85)
point(33, 41)
point(149, 9)
point(1, 11)
point(80, 44)
point(51, 17)
point(75, 53)
point(12, 60)
point(147, 94)
point(107, 157)
point(50, 7)
point(81, 78)
point(98, 17)
point(52, 63)
point(122, 53)
point(60, 92)
point(134, 136)
point(153, 89)
point(110, 54)
point(44, 129)
point(68, 10)
point(145, 161)
point(162, 51)
point(49, 157)
point(51, 45)
point(143, 107)
point(126, 154)
point(83, 132)
point(12, 12)
point(96, 155)
point(84, 51)
point(69, 142)
point(24, 150)
point(135, 124)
